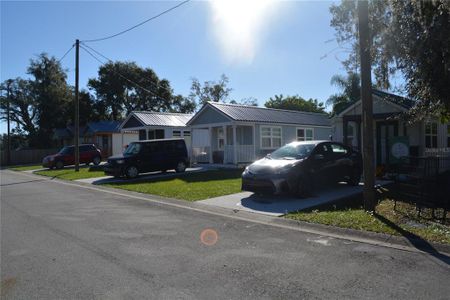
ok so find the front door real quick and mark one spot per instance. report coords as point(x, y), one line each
point(385, 131)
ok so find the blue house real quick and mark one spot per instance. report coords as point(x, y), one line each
point(234, 134)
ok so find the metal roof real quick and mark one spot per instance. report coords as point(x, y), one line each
point(149, 118)
point(247, 113)
point(103, 126)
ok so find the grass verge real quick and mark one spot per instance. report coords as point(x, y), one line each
point(70, 174)
point(191, 187)
point(25, 168)
point(401, 221)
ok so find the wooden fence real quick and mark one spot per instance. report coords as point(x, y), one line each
point(30, 156)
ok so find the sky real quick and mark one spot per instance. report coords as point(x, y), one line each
point(266, 48)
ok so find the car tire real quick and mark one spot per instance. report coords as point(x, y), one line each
point(59, 165)
point(131, 172)
point(181, 167)
point(97, 160)
point(355, 177)
point(303, 186)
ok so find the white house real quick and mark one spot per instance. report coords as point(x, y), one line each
point(422, 138)
point(233, 134)
point(157, 125)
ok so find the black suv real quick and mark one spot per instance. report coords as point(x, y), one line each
point(149, 156)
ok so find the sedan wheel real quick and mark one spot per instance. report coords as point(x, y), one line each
point(131, 172)
point(59, 165)
point(181, 167)
point(355, 177)
point(303, 186)
point(96, 160)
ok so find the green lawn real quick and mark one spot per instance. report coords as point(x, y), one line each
point(70, 174)
point(25, 168)
point(403, 220)
point(191, 187)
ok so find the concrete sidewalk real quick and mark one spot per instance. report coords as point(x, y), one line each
point(281, 205)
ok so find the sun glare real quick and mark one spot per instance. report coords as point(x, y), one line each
point(238, 26)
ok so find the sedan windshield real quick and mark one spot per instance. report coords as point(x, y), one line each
point(132, 149)
point(293, 151)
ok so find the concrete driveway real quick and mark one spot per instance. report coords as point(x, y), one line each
point(281, 205)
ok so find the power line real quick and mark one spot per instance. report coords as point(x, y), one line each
point(137, 25)
point(67, 52)
point(110, 60)
point(124, 77)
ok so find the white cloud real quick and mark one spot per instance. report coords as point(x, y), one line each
point(239, 26)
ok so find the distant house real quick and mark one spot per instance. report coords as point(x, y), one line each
point(233, 134)
point(422, 138)
point(158, 125)
point(104, 134)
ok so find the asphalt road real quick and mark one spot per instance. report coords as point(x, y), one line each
point(61, 241)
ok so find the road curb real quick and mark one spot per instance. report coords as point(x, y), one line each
point(381, 239)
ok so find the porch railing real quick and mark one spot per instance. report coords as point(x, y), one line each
point(244, 153)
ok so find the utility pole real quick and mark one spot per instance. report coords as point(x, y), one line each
point(367, 106)
point(8, 149)
point(77, 107)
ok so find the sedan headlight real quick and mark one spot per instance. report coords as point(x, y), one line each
point(120, 161)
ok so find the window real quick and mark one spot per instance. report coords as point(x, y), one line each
point(305, 134)
point(431, 135)
point(338, 150)
point(176, 133)
point(186, 133)
point(156, 134)
point(270, 137)
point(448, 136)
point(220, 138)
point(142, 134)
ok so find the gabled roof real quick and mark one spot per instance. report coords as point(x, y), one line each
point(396, 99)
point(392, 98)
point(245, 113)
point(149, 118)
point(103, 126)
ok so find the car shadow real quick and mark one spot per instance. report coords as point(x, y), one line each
point(415, 240)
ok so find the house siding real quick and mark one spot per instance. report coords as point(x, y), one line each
point(210, 116)
point(288, 135)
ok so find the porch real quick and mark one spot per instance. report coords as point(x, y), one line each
point(224, 144)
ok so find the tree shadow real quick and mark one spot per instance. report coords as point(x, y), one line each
point(415, 240)
point(188, 177)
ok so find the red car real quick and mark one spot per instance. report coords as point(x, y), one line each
point(66, 156)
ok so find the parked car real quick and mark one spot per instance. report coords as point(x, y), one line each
point(149, 156)
point(66, 156)
point(298, 166)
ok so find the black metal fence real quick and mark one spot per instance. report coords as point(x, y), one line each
point(425, 181)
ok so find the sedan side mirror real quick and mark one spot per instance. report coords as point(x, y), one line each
point(319, 157)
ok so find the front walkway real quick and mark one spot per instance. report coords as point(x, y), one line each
point(281, 205)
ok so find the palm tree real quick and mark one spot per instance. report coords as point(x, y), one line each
point(350, 87)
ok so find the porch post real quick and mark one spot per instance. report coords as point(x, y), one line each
point(234, 146)
point(345, 129)
point(121, 143)
point(254, 142)
point(210, 145)
point(224, 128)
